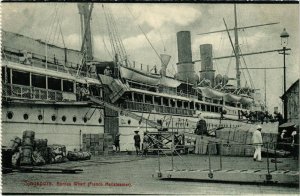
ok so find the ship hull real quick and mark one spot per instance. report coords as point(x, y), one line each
point(59, 123)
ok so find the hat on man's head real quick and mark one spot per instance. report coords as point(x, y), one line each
point(137, 130)
point(258, 127)
point(284, 131)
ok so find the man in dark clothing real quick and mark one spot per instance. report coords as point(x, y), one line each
point(201, 126)
point(137, 142)
point(117, 142)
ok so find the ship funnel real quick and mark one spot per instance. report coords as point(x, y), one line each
point(165, 59)
point(185, 65)
point(207, 72)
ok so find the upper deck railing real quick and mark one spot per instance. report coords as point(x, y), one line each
point(36, 60)
point(34, 93)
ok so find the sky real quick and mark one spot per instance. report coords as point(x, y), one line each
point(161, 22)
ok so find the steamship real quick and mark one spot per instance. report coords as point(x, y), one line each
point(62, 94)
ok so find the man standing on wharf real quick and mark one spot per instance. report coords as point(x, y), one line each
point(137, 141)
point(257, 142)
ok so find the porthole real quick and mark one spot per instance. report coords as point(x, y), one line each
point(10, 115)
point(84, 119)
point(100, 120)
point(40, 117)
point(74, 118)
point(129, 122)
point(25, 116)
point(140, 122)
point(64, 118)
point(53, 117)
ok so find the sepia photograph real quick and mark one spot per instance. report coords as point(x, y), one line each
point(150, 98)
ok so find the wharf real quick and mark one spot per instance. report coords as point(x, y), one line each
point(232, 175)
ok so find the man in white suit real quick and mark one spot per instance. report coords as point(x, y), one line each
point(257, 143)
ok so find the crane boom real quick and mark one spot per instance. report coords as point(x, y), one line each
point(239, 28)
point(245, 54)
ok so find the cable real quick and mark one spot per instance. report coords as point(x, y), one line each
point(144, 34)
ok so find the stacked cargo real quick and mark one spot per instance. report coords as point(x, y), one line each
point(40, 154)
point(57, 153)
point(108, 143)
point(27, 148)
point(239, 140)
point(93, 143)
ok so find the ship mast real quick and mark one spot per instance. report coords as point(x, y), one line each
point(85, 11)
point(237, 50)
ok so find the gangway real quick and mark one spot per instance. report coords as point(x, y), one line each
point(150, 123)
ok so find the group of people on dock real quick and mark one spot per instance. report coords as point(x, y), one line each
point(285, 142)
point(289, 141)
point(137, 143)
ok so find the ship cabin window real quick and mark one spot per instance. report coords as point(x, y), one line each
point(21, 78)
point(215, 101)
point(38, 81)
point(25, 116)
point(203, 108)
point(172, 103)
point(165, 101)
point(54, 84)
point(67, 86)
point(212, 108)
point(148, 99)
point(7, 74)
point(179, 104)
point(157, 100)
point(197, 106)
point(40, 117)
point(10, 115)
point(138, 97)
point(191, 105)
point(208, 108)
point(185, 105)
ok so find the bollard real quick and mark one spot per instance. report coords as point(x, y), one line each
point(220, 152)
point(209, 163)
point(275, 157)
point(268, 167)
point(158, 162)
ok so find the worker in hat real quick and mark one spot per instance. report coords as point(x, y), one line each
point(295, 142)
point(257, 143)
point(283, 139)
point(137, 141)
point(107, 71)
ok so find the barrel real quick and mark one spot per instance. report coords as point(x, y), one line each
point(39, 143)
point(29, 134)
point(28, 138)
point(15, 143)
point(26, 156)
